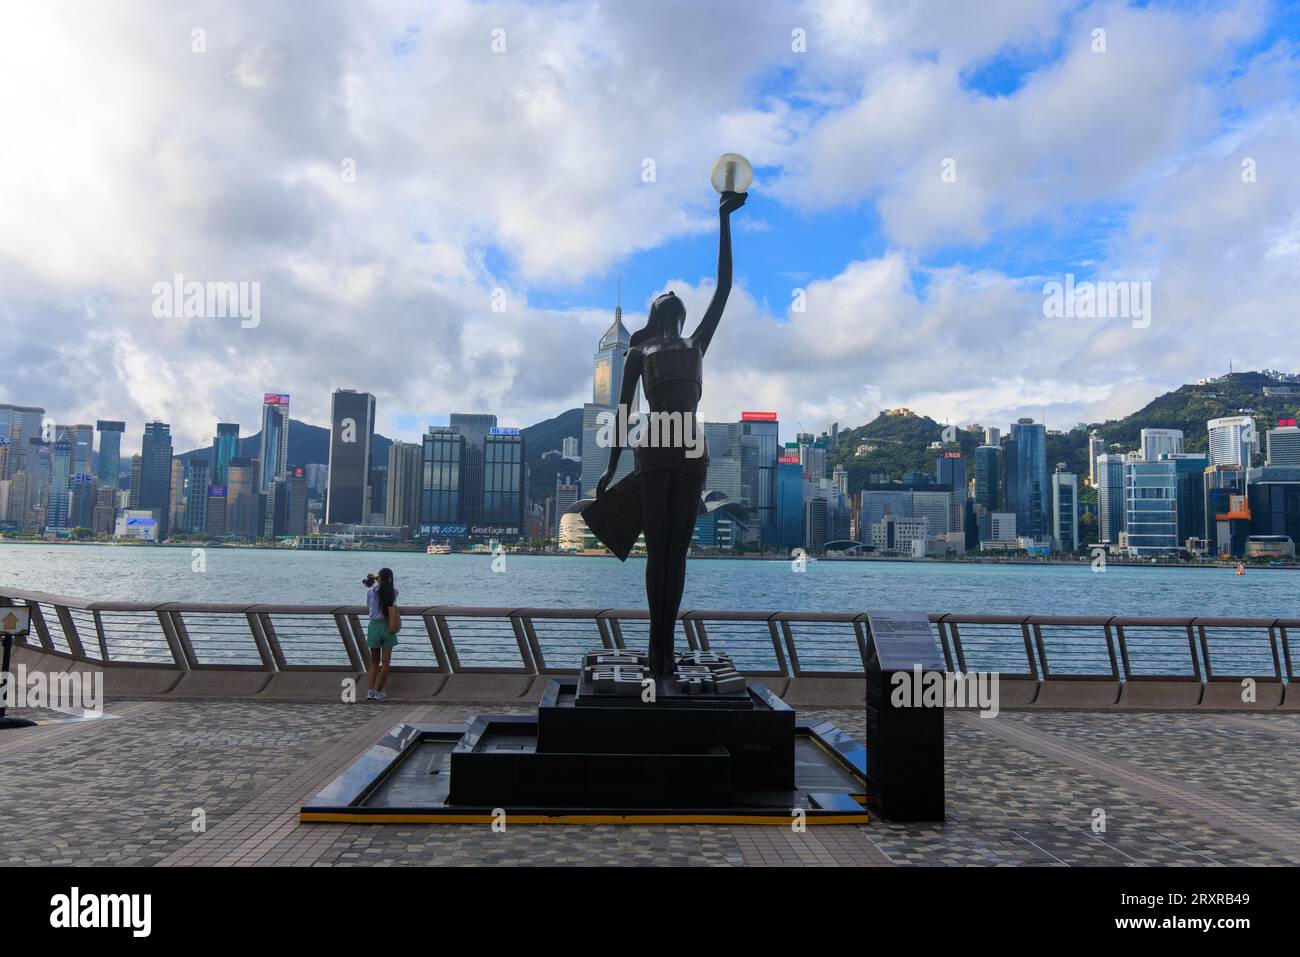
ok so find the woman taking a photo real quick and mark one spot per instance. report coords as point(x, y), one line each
point(381, 636)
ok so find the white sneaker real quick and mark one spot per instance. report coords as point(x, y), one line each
point(370, 694)
point(378, 695)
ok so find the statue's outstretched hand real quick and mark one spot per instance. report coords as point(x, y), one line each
point(730, 202)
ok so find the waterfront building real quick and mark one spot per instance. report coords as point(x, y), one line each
point(475, 427)
point(442, 456)
point(1065, 510)
point(56, 511)
point(1220, 482)
point(566, 493)
point(352, 428)
point(110, 452)
point(225, 446)
point(504, 482)
point(570, 448)
point(273, 450)
point(214, 509)
point(83, 448)
point(1096, 447)
point(574, 535)
point(1189, 472)
point(1151, 502)
point(993, 436)
point(1274, 501)
point(789, 503)
point(950, 470)
point(1276, 547)
point(104, 516)
point(196, 495)
point(1111, 513)
point(138, 524)
point(1231, 440)
point(154, 488)
point(1156, 443)
point(402, 503)
point(900, 535)
point(988, 477)
point(178, 506)
point(1032, 503)
point(242, 498)
point(1283, 447)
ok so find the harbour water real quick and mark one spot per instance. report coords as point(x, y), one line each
point(156, 574)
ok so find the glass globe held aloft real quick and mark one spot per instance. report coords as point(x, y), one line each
point(732, 173)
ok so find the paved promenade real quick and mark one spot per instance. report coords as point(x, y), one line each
point(1023, 789)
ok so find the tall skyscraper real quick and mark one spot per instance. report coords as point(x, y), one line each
point(1096, 447)
point(273, 451)
point(352, 428)
point(56, 511)
point(760, 445)
point(1158, 442)
point(20, 424)
point(1189, 476)
point(1232, 440)
point(1110, 498)
point(110, 452)
point(950, 470)
point(1283, 447)
point(155, 488)
point(475, 427)
point(1033, 495)
point(225, 446)
point(196, 495)
point(403, 501)
point(988, 477)
point(503, 480)
point(241, 498)
point(178, 504)
point(1065, 510)
point(442, 471)
point(1151, 501)
point(605, 394)
point(609, 359)
point(1222, 484)
point(83, 448)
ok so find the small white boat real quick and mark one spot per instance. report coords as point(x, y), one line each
point(436, 549)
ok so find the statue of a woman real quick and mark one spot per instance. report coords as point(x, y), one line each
point(666, 485)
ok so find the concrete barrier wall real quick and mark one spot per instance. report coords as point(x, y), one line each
point(125, 682)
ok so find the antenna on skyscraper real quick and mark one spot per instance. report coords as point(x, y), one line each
point(618, 302)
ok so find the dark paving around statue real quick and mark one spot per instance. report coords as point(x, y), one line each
point(220, 782)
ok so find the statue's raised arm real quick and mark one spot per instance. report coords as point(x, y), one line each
point(728, 204)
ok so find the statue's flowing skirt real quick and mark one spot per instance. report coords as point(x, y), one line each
point(616, 517)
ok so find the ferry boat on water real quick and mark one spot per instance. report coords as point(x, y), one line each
point(435, 548)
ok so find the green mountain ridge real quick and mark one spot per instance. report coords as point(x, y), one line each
point(898, 443)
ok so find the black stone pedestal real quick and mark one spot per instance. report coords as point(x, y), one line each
point(904, 715)
point(637, 742)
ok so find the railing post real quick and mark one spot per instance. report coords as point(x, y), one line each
point(179, 656)
point(447, 642)
point(435, 641)
point(530, 652)
point(101, 635)
point(349, 640)
point(70, 632)
point(42, 630)
point(272, 642)
point(781, 663)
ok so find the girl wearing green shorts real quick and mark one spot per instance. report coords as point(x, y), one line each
point(380, 596)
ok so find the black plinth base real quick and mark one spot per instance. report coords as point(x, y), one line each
point(16, 723)
point(755, 729)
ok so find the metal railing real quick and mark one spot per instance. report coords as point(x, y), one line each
point(447, 639)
